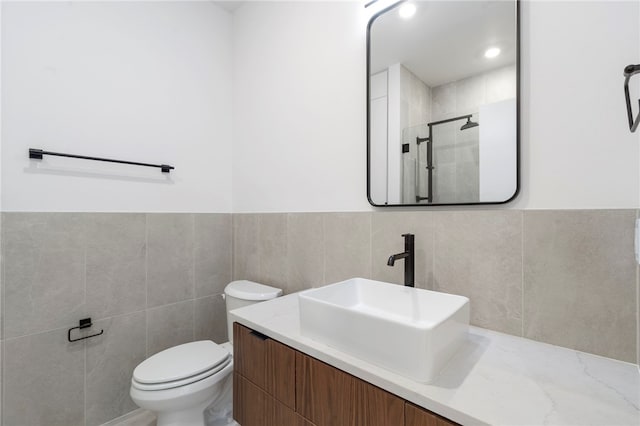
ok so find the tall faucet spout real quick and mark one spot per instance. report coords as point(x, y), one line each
point(394, 257)
point(409, 259)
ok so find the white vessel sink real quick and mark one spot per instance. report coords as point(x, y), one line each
point(409, 331)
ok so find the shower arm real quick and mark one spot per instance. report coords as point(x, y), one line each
point(630, 71)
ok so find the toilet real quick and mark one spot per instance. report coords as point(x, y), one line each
point(179, 383)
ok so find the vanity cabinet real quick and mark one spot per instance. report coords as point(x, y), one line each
point(275, 385)
point(417, 416)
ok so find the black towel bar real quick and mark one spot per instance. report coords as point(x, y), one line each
point(37, 154)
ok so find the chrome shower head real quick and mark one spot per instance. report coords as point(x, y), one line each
point(469, 124)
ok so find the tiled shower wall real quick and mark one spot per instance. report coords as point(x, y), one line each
point(150, 281)
point(154, 280)
point(565, 277)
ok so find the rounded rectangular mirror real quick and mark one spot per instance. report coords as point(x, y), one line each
point(442, 103)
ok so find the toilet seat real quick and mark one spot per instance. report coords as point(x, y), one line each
point(180, 366)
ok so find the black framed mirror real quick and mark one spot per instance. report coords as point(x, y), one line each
point(443, 92)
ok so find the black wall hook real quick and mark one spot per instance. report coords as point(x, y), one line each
point(83, 323)
point(630, 71)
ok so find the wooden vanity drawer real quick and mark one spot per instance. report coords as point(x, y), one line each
point(329, 397)
point(266, 363)
point(254, 407)
point(417, 416)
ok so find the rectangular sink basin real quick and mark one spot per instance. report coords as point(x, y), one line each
point(409, 331)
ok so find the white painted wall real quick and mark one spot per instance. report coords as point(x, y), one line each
point(577, 148)
point(299, 122)
point(120, 79)
point(144, 81)
point(299, 107)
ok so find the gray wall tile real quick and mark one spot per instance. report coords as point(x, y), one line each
point(386, 239)
point(260, 248)
point(1, 379)
point(469, 93)
point(305, 251)
point(347, 246)
point(43, 380)
point(478, 254)
point(169, 326)
point(170, 258)
point(246, 257)
point(580, 286)
point(211, 319)
point(110, 361)
point(443, 100)
point(273, 248)
point(44, 281)
point(1, 302)
point(580, 280)
point(116, 264)
point(213, 249)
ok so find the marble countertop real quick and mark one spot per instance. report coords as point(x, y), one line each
point(495, 378)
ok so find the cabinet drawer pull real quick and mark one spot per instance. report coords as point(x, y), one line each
point(258, 335)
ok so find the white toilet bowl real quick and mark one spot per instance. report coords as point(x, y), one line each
point(179, 383)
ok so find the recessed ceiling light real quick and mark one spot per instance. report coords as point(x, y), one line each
point(492, 52)
point(407, 10)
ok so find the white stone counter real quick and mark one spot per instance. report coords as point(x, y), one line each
point(494, 379)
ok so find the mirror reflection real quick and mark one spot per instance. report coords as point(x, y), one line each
point(443, 103)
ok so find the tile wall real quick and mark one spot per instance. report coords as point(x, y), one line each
point(565, 277)
point(457, 152)
point(154, 280)
point(150, 281)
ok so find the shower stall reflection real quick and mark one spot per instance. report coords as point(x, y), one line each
point(441, 164)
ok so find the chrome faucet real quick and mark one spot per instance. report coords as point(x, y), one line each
point(409, 259)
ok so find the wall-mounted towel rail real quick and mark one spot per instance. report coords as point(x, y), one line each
point(629, 71)
point(38, 153)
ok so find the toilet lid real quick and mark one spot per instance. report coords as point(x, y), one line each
point(181, 382)
point(248, 290)
point(180, 362)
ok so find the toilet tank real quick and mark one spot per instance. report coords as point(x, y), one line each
point(243, 293)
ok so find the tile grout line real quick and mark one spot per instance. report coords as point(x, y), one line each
point(433, 251)
point(2, 345)
point(522, 273)
point(146, 284)
point(286, 251)
point(124, 314)
point(370, 245)
point(233, 245)
point(84, 344)
point(193, 276)
point(324, 249)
